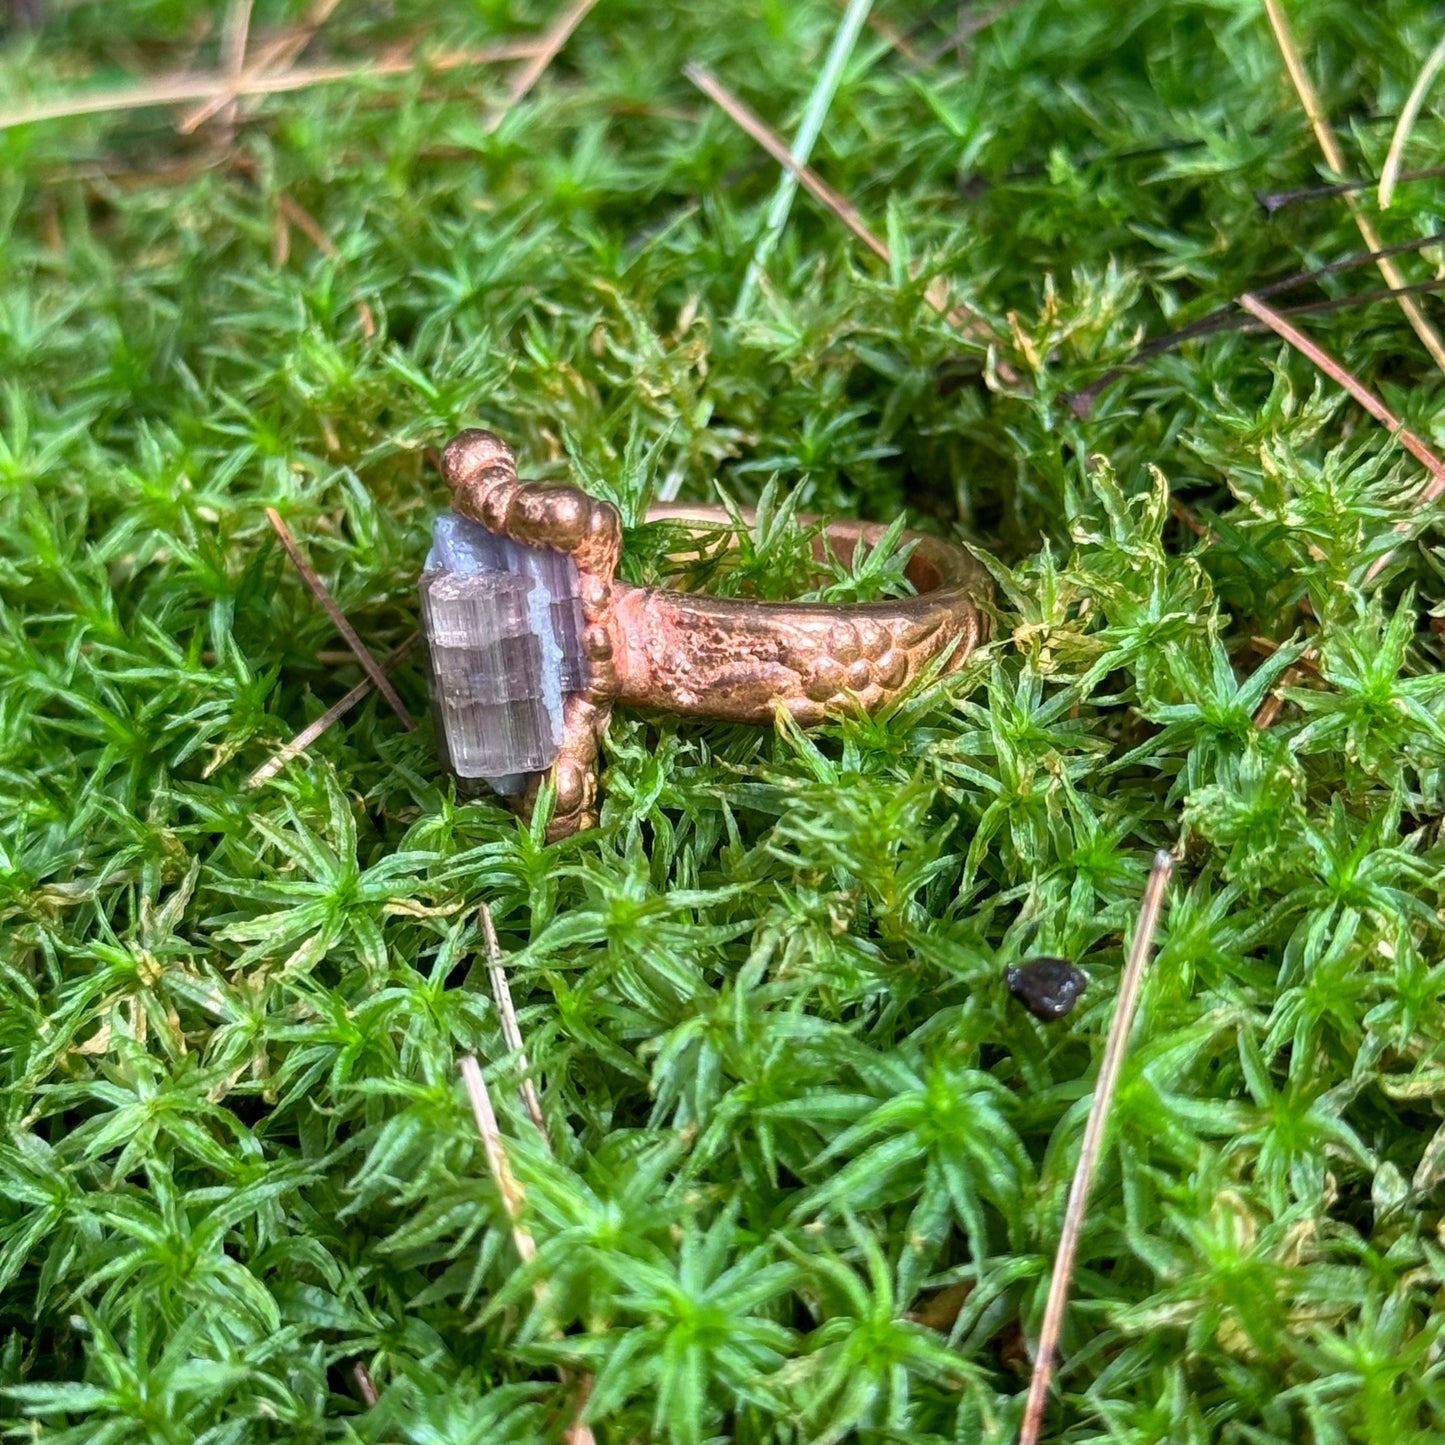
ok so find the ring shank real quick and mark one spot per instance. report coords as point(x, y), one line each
point(740, 659)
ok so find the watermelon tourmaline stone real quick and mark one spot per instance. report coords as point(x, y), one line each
point(503, 626)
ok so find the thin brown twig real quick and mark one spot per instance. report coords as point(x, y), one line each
point(964, 31)
point(1227, 318)
point(333, 714)
point(511, 1030)
point(1339, 374)
point(1305, 665)
point(1335, 159)
point(276, 55)
point(1179, 510)
point(1306, 662)
point(1058, 1296)
point(343, 624)
point(1269, 709)
point(190, 85)
point(963, 317)
point(556, 36)
point(1273, 201)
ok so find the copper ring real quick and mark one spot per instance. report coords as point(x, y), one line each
point(730, 658)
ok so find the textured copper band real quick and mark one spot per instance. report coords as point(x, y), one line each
point(730, 658)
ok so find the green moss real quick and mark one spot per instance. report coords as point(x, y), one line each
point(789, 1092)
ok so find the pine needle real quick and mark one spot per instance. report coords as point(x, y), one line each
point(332, 715)
point(547, 50)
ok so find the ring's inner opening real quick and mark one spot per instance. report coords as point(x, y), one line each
point(841, 535)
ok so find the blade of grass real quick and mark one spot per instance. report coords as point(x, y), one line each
point(1335, 159)
point(1094, 1127)
point(343, 624)
point(814, 114)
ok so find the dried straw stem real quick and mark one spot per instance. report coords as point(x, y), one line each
point(511, 1030)
point(1108, 1081)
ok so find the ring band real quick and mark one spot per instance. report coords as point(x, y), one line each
point(729, 658)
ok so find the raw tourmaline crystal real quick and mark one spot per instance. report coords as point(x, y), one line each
point(503, 627)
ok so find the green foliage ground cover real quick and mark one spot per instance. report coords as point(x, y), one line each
point(790, 1097)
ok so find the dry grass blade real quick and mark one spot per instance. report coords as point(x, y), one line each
point(1058, 1297)
point(333, 714)
point(511, 1030)
point(1335, 159)
point(513, 1201)
point(343, 625)
point(508, 1185)
point(205, 85)
point(558, 34)
point(1390, 172)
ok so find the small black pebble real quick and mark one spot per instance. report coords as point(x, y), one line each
point(1047, 987)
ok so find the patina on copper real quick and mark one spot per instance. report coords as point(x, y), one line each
point(731, 658)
